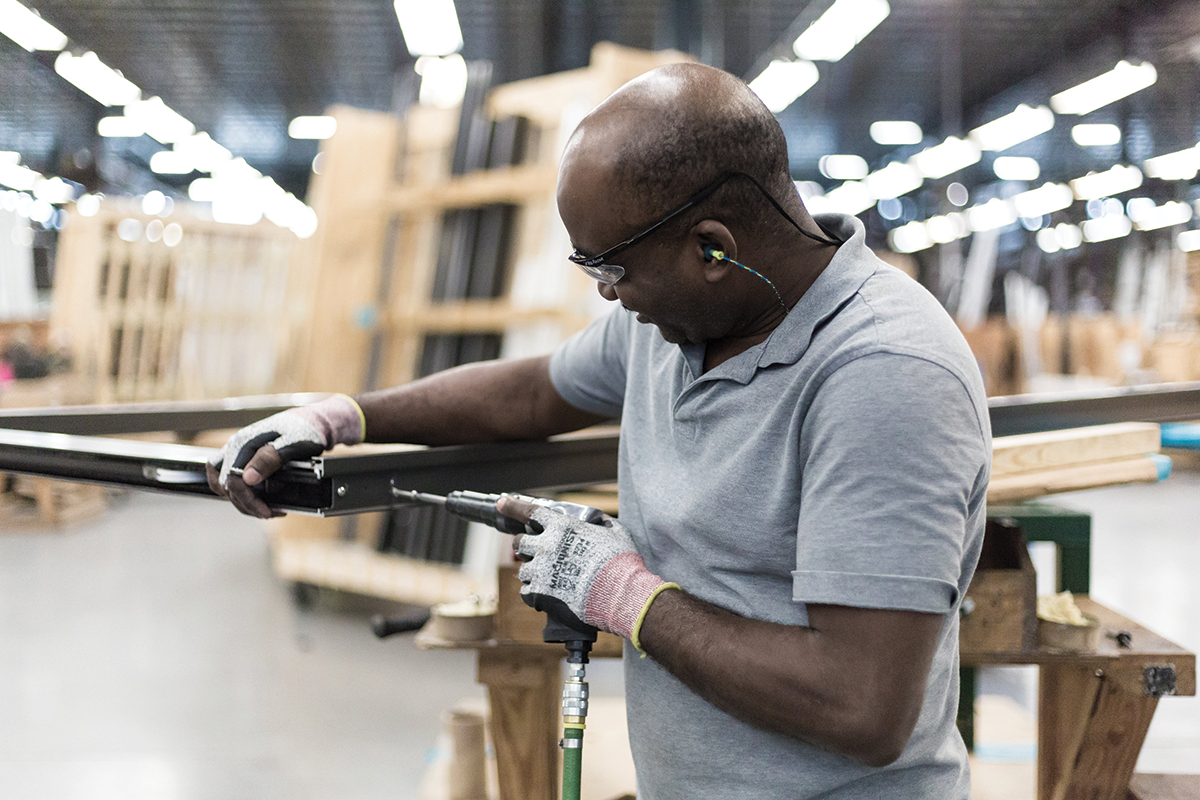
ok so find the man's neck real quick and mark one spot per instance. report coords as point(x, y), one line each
point(803, 274)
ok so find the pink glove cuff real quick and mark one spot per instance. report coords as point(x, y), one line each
point(339, 419)
point(620, 595)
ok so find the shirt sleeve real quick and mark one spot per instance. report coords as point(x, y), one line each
point(589, 369)
point(896, 465)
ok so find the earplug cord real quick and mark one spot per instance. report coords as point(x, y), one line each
point(719, 255)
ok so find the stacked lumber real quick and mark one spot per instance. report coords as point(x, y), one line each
point(1035, 464)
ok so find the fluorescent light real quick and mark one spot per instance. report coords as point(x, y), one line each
point(995, 213)
point(312, 127)
point(430, 27)
point(1068, 236)
point(17, 177)
point(443, 80)
point(947, 227)
point(1188, 241)
point(28, 29)
point(168, 162)
point(910, 238)
point(1173, 213)
point(119, 127)
point(896, 132)
point(1121, 81)
point(1046, 199)
point(1047, 240)
point(843, 25)
point(1110, 226)
point(894, 180)
point(205, 154)
point(852, 197)
point(53, 190)
point(843, 167)
point(1013, 128)
point(1016, 168)
point(153, 203)
point(1096, 134)
point(88, 205)
point(102, 83)
point(159, 121)
point(1178, 166)
point(782, 82)
point(949, 156)
point(203, 190)
point(1108, 183)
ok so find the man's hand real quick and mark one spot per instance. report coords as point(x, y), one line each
point(593, 569)
point(257, 451)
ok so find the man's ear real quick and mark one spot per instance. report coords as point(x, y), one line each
point(714, 246)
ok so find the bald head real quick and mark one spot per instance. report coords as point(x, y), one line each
point(665, 135)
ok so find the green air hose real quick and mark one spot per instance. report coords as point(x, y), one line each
point(572, 744)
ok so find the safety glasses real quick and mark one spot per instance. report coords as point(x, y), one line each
point(598, 268)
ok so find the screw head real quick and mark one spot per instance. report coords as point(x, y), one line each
point(341, 491)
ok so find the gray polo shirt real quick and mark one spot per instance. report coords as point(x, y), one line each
point(843, 461)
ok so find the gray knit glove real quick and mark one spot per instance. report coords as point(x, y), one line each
point(593, 569)
point(297, 433)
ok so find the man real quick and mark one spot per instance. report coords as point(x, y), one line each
point(803, 461)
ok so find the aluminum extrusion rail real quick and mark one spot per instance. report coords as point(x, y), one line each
point(332, 485)
point(1033, 413)
point(187, 417)
point(362, 480)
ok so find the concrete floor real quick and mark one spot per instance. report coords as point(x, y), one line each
point(150, 654)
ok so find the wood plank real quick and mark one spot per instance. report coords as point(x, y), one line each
point(476, 316)
point(1066, 695)
point(524, 686)
point(483, 187)
point(1110, 745)
point(1033, 452)
point(1024, 486)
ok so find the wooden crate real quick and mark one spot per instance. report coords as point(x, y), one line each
point(1002, 594)
point(213, 316)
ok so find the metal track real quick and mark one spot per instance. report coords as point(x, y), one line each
point(363, 481)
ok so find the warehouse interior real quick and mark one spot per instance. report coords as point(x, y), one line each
point(212, 212)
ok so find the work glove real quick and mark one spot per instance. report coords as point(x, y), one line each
point(297, 433)
point(594, 570)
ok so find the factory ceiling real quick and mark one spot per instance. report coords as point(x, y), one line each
point(241, 70)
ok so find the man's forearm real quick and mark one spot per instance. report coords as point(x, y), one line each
point(488, 401)
point(814, 684)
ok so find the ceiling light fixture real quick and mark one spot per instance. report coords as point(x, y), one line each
point(949, 156)
point(894, 180)
point(205, 154)
point(947, 227)
point(910, 238)
point(1110, 226)
point(28, 29)
point(1188, 241)
point(1108, 183)
point(1178, 166)
point(1096, 134)
point(168, 162)
point(995, 213)
point(1047, 240)
point(312, 127)
point(1121, 81)
point(1016, 168)
point(852, 197)
point(14, 176)
point(443, 80)
point(782, 82)
point(1164, 216)
point(102, 83)
point(430, 27)
point(119, 127)
point(1046, 199)
point(159, 121)
point(896, 132)
point(1013, 128)
point(843, 167)
point(843, 25)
